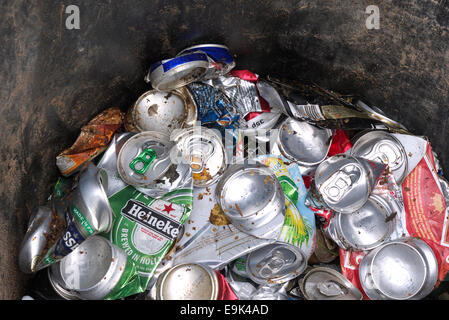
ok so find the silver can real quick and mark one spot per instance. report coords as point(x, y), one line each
point(367, 227)
point(275, 263)
point(404, 269)
point(306, 144)
point(144, 157)
point(251, 196)
point(383, 147)
point(163, 111)
point(35, 238)
point(322, 283)
point(203, 149)
point(86, 210)
point(188, 281)
point(177, 72)
point(345, 182)
point(91, 271)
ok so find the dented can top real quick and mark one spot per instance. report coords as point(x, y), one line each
point(365, 228)
point(164, 111)
point(322, 283)
point(383, 147)
point(203, 149)
point(304, 143)
point(188, 281)
point(345, 182)
point(403, 269)
point(144, 158)
point(251, 196)
point(275, 263)
point(174, 73)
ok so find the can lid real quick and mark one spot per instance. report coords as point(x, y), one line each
point(203, 150)
point(343, 183)
point(383, 147)
point(189, 281)
point(275, 263)
point(369, 226)
point(144, 158)
point(302, 142)
point(174, 73)
point(163, 111)
point(322, 283)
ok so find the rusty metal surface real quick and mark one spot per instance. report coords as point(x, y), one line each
point(54, 80)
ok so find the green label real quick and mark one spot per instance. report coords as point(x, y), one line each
point(82, 219)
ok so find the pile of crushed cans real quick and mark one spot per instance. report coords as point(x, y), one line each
point(219, 184)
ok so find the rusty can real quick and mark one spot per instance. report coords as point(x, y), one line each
point(403, 269)
point(345, 182)
point(383, 147)
point(188, 281)
point(275, 263)
point(163, 111)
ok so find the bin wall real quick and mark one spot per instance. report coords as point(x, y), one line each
point(54, 80)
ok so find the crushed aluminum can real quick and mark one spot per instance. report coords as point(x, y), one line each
point(203, 150)
point(251, 196)
point(345, 182)
point(92, 271)
point(35, 240)
point(188, 281)
point(170, 74)
point(304, 143)
point(322, 283)
point(92, 141)
point(87, 212)
point(404, 269)
point(144, 157)
point(243, 287)
point(163, 111)
point(383, 147)
point(367, 227)
point(215, 109)
point(222, 61)
point(275, 263)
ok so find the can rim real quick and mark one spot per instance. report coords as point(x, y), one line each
point(413, 248)
point(344, 281)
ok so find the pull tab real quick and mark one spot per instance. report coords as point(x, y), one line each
point(330, 289)
point(340, 182)
point(273, 264)
point(142, 162)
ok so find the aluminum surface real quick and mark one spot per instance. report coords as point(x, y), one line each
point(251, 196)
point(345, 182)
point(163, 112)
point(133, 164)
point(323, 283)
point(404, 269)
point(382, 147)
point(189, 281)
point(275, 263)
point(304, 143)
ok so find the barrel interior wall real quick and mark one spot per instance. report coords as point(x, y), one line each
point(56, 79)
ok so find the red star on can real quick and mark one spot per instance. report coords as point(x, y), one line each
point(168, 209)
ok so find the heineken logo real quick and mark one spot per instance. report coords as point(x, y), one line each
point(151, 219)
